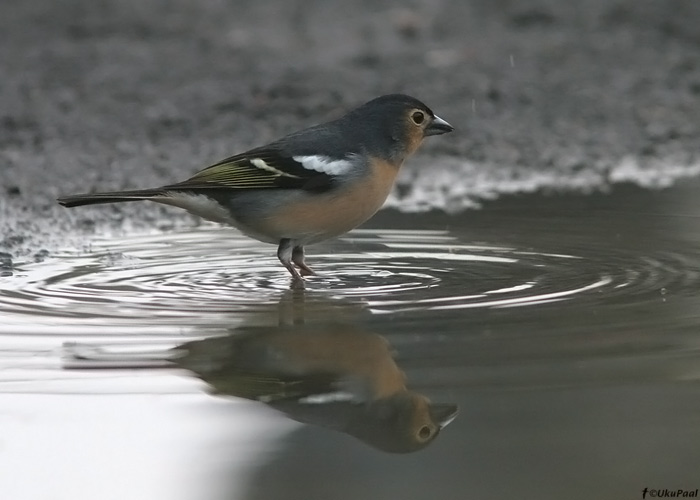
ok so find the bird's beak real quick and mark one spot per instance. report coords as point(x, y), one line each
point(443, 414)
point(438, 126)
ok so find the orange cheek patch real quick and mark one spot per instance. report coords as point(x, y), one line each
point(415, 139)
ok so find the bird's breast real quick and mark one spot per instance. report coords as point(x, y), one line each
point(315, 217)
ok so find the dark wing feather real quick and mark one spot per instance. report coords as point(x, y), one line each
point(257, 169)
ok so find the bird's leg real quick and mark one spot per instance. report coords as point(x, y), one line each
point(298, 259)
point(284, 254)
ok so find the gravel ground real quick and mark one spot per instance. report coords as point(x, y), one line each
point(111, 94)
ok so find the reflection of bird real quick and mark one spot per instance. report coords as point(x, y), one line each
point(305, 187)
point(318, 366)
point(335, 375)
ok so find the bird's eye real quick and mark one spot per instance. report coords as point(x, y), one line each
point(418, 117)
point(424, 432)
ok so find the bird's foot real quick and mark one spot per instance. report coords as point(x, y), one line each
point(306, 270)
point(298, 259)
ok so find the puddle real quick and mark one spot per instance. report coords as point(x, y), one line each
point(563, 328)
point(195, 277)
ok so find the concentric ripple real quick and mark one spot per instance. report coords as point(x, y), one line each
point(206, 276)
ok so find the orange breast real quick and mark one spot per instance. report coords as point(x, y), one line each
point(325, 216)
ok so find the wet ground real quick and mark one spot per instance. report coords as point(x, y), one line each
point(521, 323)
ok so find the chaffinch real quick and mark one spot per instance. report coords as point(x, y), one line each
point(306, 187)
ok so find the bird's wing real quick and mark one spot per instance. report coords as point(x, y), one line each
point(269, 169)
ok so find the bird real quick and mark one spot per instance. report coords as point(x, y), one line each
point(306, 187)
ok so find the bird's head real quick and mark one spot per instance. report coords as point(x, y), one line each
point(394, 125)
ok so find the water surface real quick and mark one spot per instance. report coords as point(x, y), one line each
point(181, 365)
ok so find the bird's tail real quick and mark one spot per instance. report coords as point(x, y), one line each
point(78, 200)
